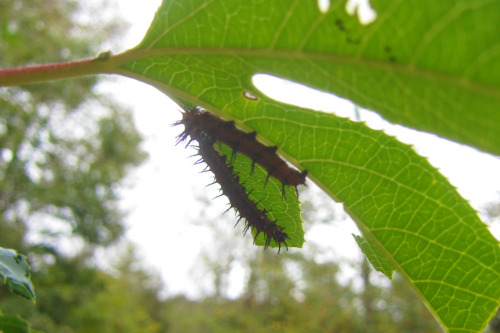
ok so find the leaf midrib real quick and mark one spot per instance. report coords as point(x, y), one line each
point(460, 82)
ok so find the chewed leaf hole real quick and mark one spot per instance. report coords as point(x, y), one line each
point(323, 5)
point(290, 92)
point(363, 9)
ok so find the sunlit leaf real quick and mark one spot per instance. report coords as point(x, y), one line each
point(432, 66)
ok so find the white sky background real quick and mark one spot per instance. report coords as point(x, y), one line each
point(161, 199)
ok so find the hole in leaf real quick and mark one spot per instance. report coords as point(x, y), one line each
point(362, 8)
point(323, 5)
point(294, 93)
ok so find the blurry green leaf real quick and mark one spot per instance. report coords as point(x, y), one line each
point(15, 272)
point(14, 324)
point(375, 256)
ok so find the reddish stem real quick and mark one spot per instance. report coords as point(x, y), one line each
point(40, 73)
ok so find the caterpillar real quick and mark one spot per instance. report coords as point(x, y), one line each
point(237, 194)
point(197, 121)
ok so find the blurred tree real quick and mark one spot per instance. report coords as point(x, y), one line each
point(128, 301)
point(217, 262)
point(492, 211)
point(392, 306)
point(294, 291)
point(73, 296)
point(64, 147)
point(60, 288)
point(64, 150)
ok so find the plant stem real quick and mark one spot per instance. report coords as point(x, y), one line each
point(41, 73)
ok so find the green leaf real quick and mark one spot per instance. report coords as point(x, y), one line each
point(431, 66)
point(15, 272)
point(375, 256)
point(14, 324)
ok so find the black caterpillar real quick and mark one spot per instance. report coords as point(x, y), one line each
point(238, 196)
point(197, 121)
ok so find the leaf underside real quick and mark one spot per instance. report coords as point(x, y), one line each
point(432, 66)
point(15, 272)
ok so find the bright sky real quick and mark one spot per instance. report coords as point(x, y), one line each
point(162, 192)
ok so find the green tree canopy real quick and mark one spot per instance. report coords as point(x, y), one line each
point(64, 151)
point(65, 148)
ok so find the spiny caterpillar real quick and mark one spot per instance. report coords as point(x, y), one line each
point(197, 121)
point(238, 196)
point(224, 174)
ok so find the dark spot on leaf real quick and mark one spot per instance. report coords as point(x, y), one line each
point(340, 24)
